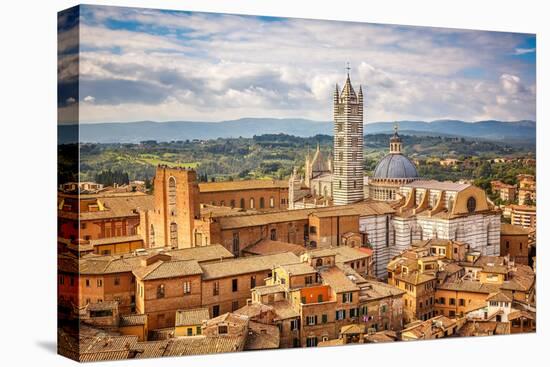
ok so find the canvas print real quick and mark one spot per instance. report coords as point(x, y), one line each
point(230, 183)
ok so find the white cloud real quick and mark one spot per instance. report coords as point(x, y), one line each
point(197, 66)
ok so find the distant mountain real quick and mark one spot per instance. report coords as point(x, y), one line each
point(133, 132)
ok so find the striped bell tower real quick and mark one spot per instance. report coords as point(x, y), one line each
point(348, 145)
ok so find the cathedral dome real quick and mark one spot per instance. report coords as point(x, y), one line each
point(395, 166)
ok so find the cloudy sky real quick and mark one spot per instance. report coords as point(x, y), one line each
point(140, 64)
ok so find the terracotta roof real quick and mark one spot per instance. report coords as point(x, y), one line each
point(254, 309)
point(230, 318)
point(115, 207)
point(415, 277)
point(242, 185)
point(193, 316)
point(268, 247)
point(512, 230)
point(372, 289)
point(221, 211)
point(132, 320)
point(150, 349)
point(521, 314)
point(484, 328)
point(192, 345)
point(284, 310)
point(262, 336)
point(298, 268)
point(364, 208)
point(353, 329)
point(102, 306)
point(337, 280)
point(469, 286)
point(168, 269)
point(500, 297)
point(342, 253)
point(111, 240)
point(102, 264)
point(269, 289)
point(438, 185)
point(245, 265)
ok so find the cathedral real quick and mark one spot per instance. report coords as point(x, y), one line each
point(423, 209)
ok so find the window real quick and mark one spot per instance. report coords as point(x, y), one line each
point(339, 125)
point(353, 312)
point(384, 308)
point(262, 203)
point(152, 236)
point(199, 330)
point(251, 203)
point(471, 204)
point(311, 341)
point(160, 291)
point(172, 195)
point(441, 300)
point(222, 329)
point(189, 331)
point(236, 246)
point(347, 297)
point(340, 314)
point(87, 282)
point(117, 281)
point(271, 202)
point(341, 156)
point(461, 302)
point(340, 142)
point(173, 234)
point(294, 325)
point(309, 280)
point(234, 285)
point(252, 281)
point(216, 290)
point(324, 318)
point(319, 298)
point(186, 287)
point(451, 313)
point(311, 320)
point(242, 203)
point(273, 234)
point(99, 283)
point(216, 311)
point(234, 305)
point(452, 301)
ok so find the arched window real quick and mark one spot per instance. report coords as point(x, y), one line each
point(160, 291)
point(251, 203)
point(152, 236)
point(471, 204)
point(262, 203)
point(271, 202)
point(172, 195)
point(242, 203)
point(173, 234)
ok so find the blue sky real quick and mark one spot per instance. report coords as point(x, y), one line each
point(142, 64)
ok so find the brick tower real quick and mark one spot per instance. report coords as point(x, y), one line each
point(348, 145)
point(176, 207)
